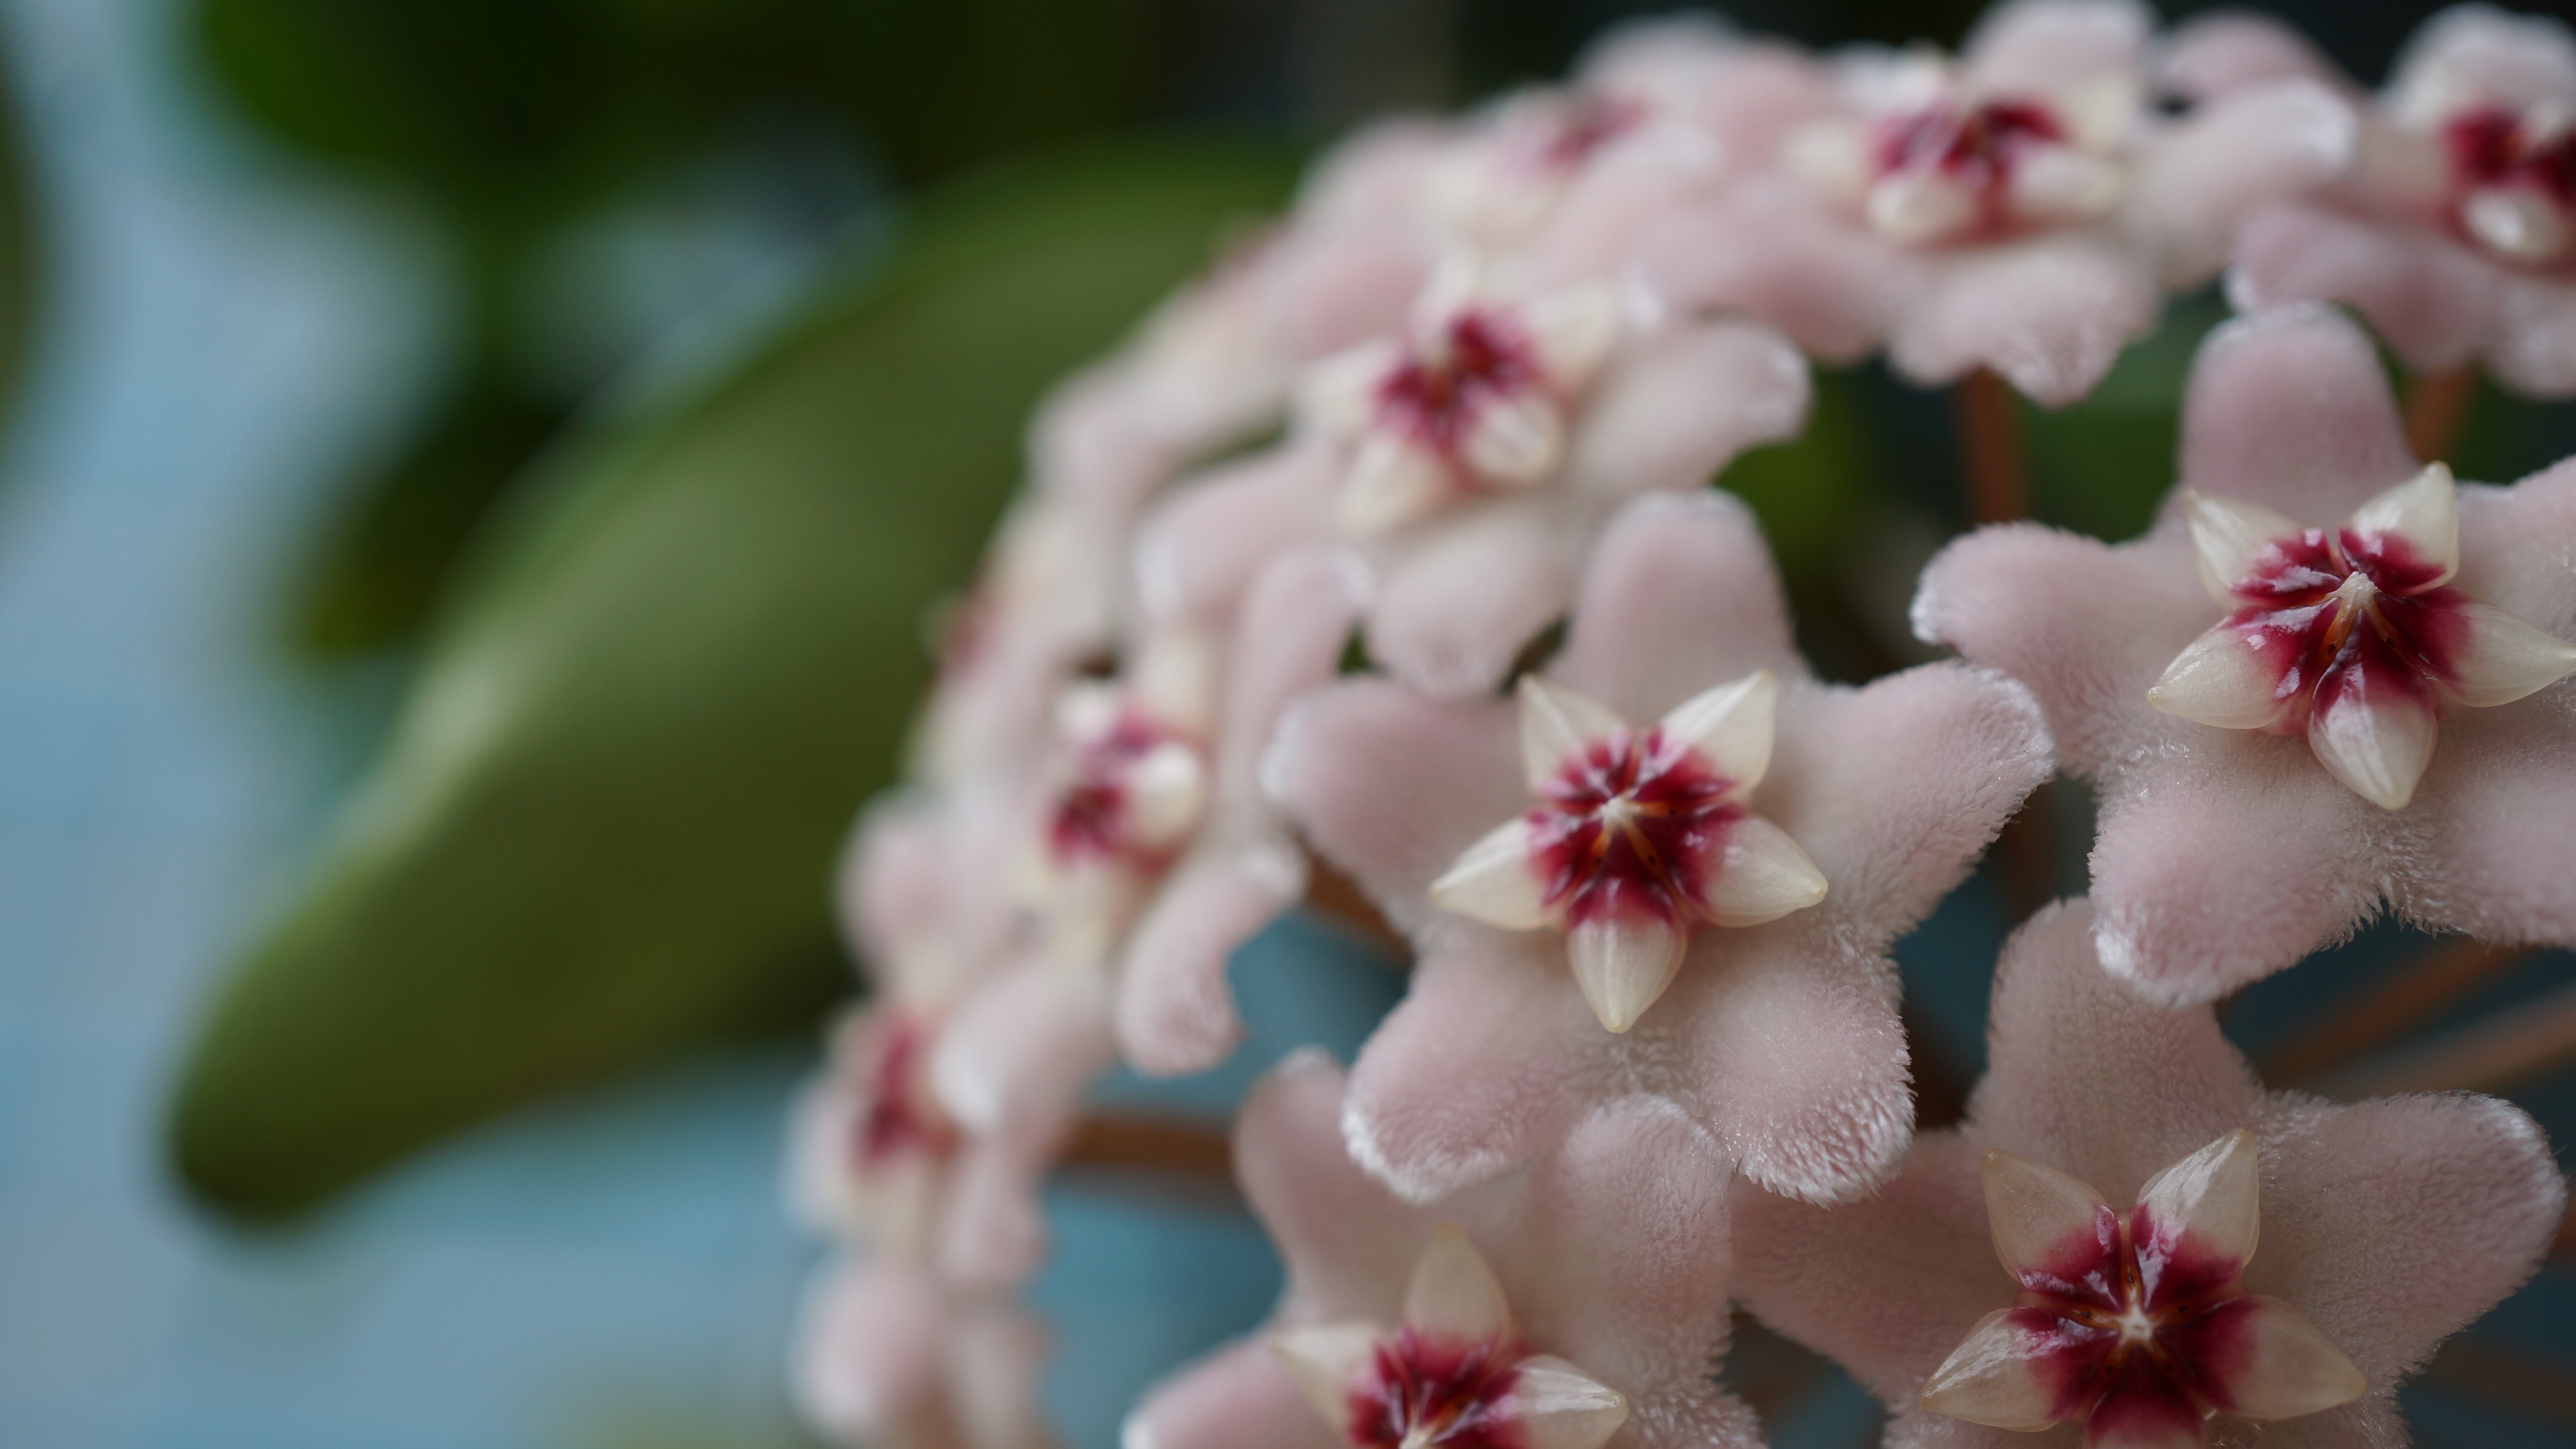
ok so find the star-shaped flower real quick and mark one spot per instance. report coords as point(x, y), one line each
point(1579, 1304)
point(1639, 838)
point(2354, 636)
point(2227, 854)
point(1781, 1040)
point(2457, 236)
point(887, 1353)
point(2020, 209)
point(2384, 1227)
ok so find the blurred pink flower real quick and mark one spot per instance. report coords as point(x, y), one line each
point(2228, 853)
point(1579, 1303)
point(1781, 1040)
point(2022, 209)
point(887, 1354)
point(2456, 236)
point(2384, 1227)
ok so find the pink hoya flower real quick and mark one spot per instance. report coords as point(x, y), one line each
point(2304, 691)
point(2456, 237)
point(889, 1354)
point(2287, 1260)
point(2020, 209)
point(1577, 1305)
point(1477, 462)
point(1157, 857)
point(1780, 1040)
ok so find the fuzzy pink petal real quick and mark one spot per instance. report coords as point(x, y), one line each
point(2434, 302)
point(2049, 314)
point(892, 881)
point(2500, 808)
point(2518, 60)
point(2291, 410)
point(2196, 184)
point(2038, 44)
point(1771, 250)
point(1203, 546)
point(1337, 287)
point(1822, 1275)
point(1349, 1247)
point(2087, 1076)
point(2392, 1223)
point(1175, 1011)
point(1487, 1057)
point(1684, 403)
point(2087, 626)
point(2514, 548)
point(2241, 856)
point(992, 1231)
point(995, 1357)
point(1463, 595)
point(868, 1349)
point(1627, 188)
point(1793, 1056)
point(1289, 641)
point(2535, 353)
point(1020, 1048)
point(1681, 594)
point(2214, 53)
point(1235, 1398)
point(1894, 789)
point(1391, 787)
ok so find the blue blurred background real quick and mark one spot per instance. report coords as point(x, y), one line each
point(235, 335)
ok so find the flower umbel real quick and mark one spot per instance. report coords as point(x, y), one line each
point(1639, 838)
point(2353, 635)
point(1453, 1373)
point(2136, 1324)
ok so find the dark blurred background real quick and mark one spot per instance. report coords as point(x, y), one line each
point(486, 412)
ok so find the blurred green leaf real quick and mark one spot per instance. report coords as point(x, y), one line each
point(604, 827)
point(2101, 465)
point(1804, 490)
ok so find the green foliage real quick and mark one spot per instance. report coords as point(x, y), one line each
point(1806, 490)
point(2101, 465)
point(604, 827)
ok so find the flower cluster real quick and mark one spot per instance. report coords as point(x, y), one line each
point(1474, 633)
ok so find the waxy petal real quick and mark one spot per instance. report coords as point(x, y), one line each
point(1993, 1377)
point(1167, 796)
point(1557, 1406)
point(1514, 441)
point(2502, 658)
point(1558, 725)
point(1496, 881)
point(1921, 208)
point(2375, 736)
point(2222, 680)
point(1391, 483)
point(1731, 725)
point(1762, 876)
point(1340, 393)
point(1623, 963)
point(2423, 515)
point(2197, 1221)
point(2269, 1362)
point(2228, 536)
point(1573, 330)
point(1322, 1361)
point(1453, 1293)
point(2053, 1232)
point(2061, 184)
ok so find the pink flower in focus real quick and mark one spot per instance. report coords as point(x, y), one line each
point(1580, 1303)
point(2227, 853)
point(1780, 1040)
point(2383, 1227)
point(2021, 210)
point(2456, 237)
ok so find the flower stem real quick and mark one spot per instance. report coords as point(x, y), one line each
point(1165, 1146)
point(1991, 462)
point(2437, 404)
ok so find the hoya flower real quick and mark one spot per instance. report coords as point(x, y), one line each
point(2020, 209)
point(1477, 487)
point(1779, 1040)
point(2456, 237)
point(2307, 712)
point(2287, 1261)
point(1639, 837)
point(1578, 1305)
point(887, 1354)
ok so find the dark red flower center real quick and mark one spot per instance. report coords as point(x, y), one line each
point(1974, 145)
point(1475, 358)
point(1634, 825)
point(2142, 1327)
point(897, 1118)
point(2494, 146)
point(1419, 1390)
point(1090, 820)
point(2339, 613)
